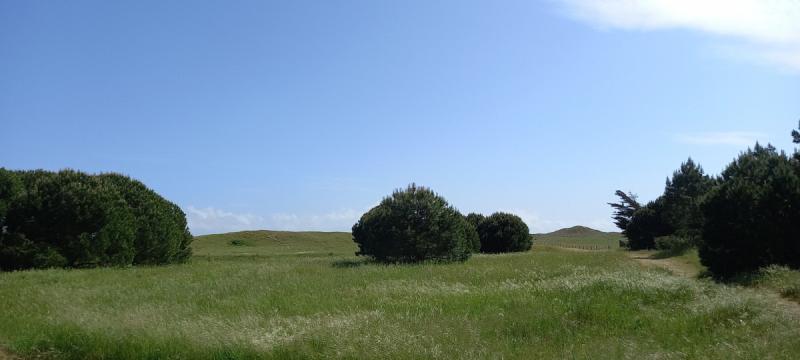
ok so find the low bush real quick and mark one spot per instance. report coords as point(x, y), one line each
point(503, 232)
point(646, 225)
point(414, 225)
point(672, 245)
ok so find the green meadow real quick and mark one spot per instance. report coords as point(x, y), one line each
point(284, 295)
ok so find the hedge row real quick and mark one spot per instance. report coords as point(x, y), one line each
point(746, 218)
point(73, 219)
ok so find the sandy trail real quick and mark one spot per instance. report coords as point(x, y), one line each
point(682, 268)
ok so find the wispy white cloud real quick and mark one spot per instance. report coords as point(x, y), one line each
point(738, 138)
point(209, 219)
point(765, 30)
point(212, 220)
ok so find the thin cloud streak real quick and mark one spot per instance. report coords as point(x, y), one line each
point(737, 138)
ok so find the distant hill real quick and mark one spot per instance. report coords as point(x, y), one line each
point(579, 236)
point(270, 243)
point(575, 231)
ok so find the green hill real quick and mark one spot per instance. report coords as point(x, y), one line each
point(274, 243)
point(317, 243)
point(579, 237)
point(575, 231)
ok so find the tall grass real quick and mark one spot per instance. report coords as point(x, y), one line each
point(780, 279)
point(546, 303)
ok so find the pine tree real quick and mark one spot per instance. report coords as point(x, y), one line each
point(683, 194)
point(752, 218)
point(414, 225)
point(503, 232)
point(624, 209)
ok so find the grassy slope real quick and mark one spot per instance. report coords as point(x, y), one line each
point(548, 303)
point(274, 243)
point(579, 237)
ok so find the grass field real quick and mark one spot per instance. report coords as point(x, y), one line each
point(579, 237)
point(274, 243)
point(304, 295)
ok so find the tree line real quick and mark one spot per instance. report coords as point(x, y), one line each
point(741, 220)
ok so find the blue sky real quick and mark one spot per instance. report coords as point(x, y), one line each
point(301, 115)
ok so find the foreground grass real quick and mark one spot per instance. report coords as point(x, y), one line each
point(778, 279)
point(548, 303)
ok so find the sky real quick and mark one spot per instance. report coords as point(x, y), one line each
point(302, 115)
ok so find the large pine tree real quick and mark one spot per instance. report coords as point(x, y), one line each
point(683, 194)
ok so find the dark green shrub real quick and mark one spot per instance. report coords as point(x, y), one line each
point(752, 218)
point(473, 220)
point(502, 232)
point(17, 252)
point(683, 194)
point(412, 225)
point(647, 224)
point(73, 214)
point(672, 245)
point(72, 219)
point(10, 189)
point(162, 236)
point(676, 212)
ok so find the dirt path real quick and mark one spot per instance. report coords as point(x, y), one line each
point(675, 265)
point(681, 268)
